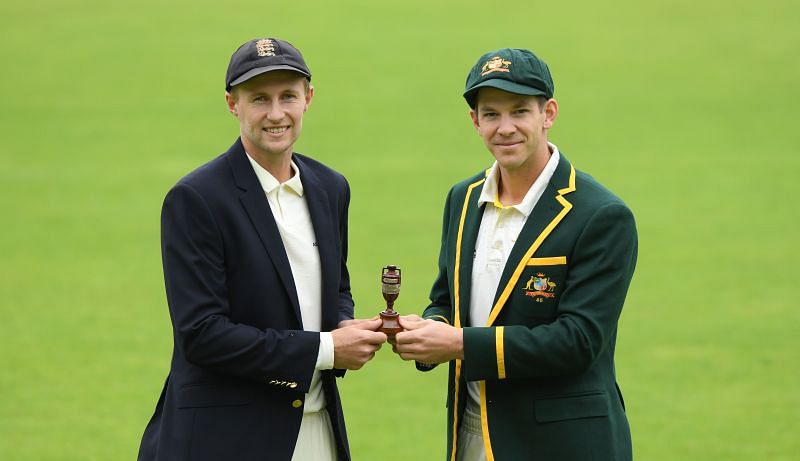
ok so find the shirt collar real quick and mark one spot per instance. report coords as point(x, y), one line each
point(269, 182)
point(489, 192)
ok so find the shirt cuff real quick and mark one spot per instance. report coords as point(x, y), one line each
point(325, 355)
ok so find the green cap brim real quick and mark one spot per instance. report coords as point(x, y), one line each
point(501, 84)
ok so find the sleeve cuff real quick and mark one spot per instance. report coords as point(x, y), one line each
point(484, 353)
point(439, 318)
point(325, 355)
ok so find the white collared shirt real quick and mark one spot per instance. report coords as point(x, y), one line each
point(500, 227)
point(290, 209)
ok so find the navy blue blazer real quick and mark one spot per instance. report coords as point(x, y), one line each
point(241, 361)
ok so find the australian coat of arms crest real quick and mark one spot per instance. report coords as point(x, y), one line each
point(540, 286)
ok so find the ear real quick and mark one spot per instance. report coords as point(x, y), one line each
point(309, 96)
point(474, 116)
point(550, 113)
point(232, 103)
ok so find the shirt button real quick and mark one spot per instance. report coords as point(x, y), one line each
point(297, 403)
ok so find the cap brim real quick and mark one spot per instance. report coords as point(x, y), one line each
point(504, 85)
point(262, 70)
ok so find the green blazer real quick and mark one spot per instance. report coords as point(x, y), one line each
point(545, 360)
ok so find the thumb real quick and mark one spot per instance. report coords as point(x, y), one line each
point(370, 324)
point(353, 322)
point(377, 338)
point(412, 324)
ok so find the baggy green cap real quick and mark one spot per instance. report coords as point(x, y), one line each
point(514, 70)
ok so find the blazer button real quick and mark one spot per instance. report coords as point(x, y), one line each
point(297, 403)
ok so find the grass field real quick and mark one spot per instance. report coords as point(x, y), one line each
point(687, 109)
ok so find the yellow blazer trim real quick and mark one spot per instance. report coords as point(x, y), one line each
point(456, 315)
point(534, 246)
point(487, 442)
point(457, 264)
point(440, 317)
point(553, 261)
point(501, 355)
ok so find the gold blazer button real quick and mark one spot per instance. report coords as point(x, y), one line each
point(297, 403)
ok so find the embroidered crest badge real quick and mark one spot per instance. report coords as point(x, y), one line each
point(539, 287)
point(265, 47)
point(496, 64)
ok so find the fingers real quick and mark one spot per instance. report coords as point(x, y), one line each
point(410, 323)
point(405, 341)
point(410, 317)
point(407, 356)
point(367, 324)
point(404, 344)
point(357, 322)
point(429, 341)
point(409, 320)
point(353, 346)
point(377, 338)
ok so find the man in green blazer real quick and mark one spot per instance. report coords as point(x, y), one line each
point(535, 263)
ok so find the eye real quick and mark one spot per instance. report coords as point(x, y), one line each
point(259, 98)
point(289, 97)
point(489, 114)
point(521, 111)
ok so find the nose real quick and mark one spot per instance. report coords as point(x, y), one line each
point(275, 112)
point(506, 126)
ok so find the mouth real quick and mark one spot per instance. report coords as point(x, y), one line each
point(276, 129)
point(506, 145)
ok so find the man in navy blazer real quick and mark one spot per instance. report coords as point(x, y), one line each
point(254, 247)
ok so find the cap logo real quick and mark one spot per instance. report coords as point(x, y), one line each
point(265, 47)
point(496, 64)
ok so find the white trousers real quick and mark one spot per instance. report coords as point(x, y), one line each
point(315, 441)
point(470, 435)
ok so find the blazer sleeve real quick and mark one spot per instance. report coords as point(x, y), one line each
point(195, 278)
point(600, 272)
point(345, 296)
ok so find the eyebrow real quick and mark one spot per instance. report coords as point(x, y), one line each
point(518, 105)
point(281, 92)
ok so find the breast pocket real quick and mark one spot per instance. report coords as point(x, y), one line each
point(540, 286)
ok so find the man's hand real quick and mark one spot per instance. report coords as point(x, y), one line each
point(355, 343)
point(402, 319)
point(351, 322)
point(428, 341)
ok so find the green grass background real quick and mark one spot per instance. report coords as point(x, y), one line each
point(687, 109)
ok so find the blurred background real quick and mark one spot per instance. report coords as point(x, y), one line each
point(686, 109)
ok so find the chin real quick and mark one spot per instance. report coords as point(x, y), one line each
point(507, 158)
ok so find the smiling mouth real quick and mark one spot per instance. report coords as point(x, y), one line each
point(276, 129)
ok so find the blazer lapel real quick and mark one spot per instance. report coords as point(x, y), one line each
point(467, 236)
point(322, 221)
point(546, 215)
point(258, 210)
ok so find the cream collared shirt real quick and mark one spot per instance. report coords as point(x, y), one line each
point(500, 227)
point(290, 209)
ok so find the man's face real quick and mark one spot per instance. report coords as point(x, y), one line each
point(270, 110)
point(513, 127)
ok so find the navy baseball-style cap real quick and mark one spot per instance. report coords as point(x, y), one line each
point(514, 70)
point(262, 55)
